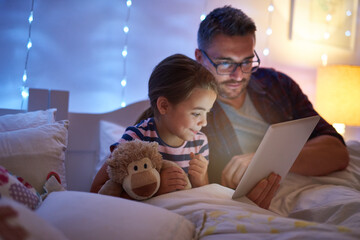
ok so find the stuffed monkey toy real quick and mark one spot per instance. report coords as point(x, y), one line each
point(134, 166)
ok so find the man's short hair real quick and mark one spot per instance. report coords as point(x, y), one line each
point(225, 20)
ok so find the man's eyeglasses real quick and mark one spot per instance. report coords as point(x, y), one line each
point(227, 68)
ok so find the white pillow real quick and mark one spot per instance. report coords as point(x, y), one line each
point(33, 153)
point(11, 122)
point(110, 133)
point(82, 215)
point(36, 227)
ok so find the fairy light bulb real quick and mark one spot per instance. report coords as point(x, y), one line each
point(348, 13)
point(29, 44)
point(126, 29)
point(25, 92)
point(24, 78)
point(266, 52)
point(348, 33)
point(202, 17)
point(31, 17)
point(123, 104)
point(271, 8)
point(326, 35)
point(324, 59)
point(328, 17)
point(128, 3)
point(124, 51)
point(269, 31)
point(123, 82)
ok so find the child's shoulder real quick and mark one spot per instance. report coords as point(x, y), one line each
point(146, 122)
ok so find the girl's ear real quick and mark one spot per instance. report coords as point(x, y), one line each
point(162, 105)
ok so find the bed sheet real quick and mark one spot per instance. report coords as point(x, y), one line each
point(304, 207)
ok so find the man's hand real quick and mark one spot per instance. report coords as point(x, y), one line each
point(235, 169)
point(264, 191)
point(198, 166)
point(172, 179)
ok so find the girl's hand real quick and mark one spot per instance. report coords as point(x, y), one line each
point(198, 166)
point(171, 179)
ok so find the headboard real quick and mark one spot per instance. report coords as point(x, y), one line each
point(82, 154)
point(84, 146)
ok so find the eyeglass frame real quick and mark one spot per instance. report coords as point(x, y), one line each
point(236, 64)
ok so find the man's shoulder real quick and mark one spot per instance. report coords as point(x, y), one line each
point(265, 78)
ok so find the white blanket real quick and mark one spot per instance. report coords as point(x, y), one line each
point(304, 207)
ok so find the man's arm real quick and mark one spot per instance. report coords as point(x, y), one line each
point(321, 155)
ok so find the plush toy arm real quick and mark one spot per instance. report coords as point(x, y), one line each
point(111, 188)
point(167, 163)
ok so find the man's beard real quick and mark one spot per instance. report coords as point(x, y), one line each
point(224, 91)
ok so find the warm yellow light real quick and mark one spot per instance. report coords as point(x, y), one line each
point(338, 94)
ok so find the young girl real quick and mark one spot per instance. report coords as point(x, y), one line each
point(181, 93)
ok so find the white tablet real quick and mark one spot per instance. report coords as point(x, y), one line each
point(277, 152)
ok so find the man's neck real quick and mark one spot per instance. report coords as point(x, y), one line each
point(236, 103)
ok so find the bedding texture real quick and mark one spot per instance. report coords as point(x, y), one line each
point(304, 207)
point(81, 215)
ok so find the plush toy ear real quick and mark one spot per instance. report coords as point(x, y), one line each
point(162, 105)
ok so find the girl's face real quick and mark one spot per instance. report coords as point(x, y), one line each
point(182, 121)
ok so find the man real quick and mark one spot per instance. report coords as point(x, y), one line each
point(250, 99)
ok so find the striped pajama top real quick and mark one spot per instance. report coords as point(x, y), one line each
point(146, 131)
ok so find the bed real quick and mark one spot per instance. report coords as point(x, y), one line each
point(48, 139)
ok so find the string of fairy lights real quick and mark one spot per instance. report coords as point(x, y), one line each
point(124, 53)
point(268, 31)
point(24, 88)
point(327, 35)
point(126, 29)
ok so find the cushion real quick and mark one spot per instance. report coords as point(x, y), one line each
point(24, 222)
point(11, 122)
point(110, 133)
point(33, 153)
point(82, 215)
point(18, 189)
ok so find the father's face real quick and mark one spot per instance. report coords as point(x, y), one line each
point(229, 49)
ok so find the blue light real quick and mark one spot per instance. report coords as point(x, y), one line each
point(123, 82)
point(24, 76)
point(202, 17)
point(29, 44)
point(128, 3)
point(31, 17)
point(25, 92)
point(126, 29)
point(124, 52)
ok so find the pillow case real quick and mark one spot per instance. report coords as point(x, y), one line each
point(83, 215)
point(30, 224)
point(33, 153)
point(18, 189)
point(109, 134)
point(11, 122)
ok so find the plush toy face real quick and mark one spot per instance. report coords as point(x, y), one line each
point(143, 180)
